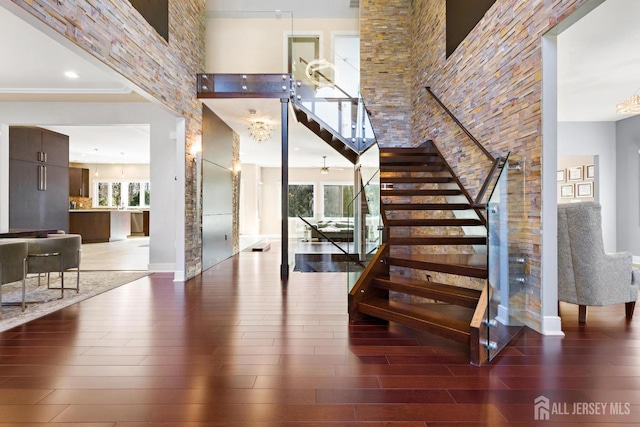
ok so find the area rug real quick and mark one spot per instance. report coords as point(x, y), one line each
point(91, 283)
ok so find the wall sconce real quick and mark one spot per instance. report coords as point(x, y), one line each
point(196, 146)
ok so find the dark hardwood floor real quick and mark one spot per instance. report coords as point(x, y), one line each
point(233, 347)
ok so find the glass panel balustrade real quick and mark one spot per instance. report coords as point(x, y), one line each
point(365, 215)
point(507, 277)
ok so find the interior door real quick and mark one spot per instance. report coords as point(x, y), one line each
point(302, 51)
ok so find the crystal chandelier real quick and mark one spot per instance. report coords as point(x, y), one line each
point(260, 131)
point(629, 105)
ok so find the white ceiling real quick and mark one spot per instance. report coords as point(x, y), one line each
point(599, 62)
point(598, 65)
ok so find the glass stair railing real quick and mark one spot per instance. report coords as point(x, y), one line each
point(507, 276)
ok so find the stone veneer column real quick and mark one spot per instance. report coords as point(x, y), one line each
point(116, 34)
point(385, 68)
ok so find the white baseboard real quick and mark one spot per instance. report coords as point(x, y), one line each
point(552, 326)
point(179, 276)
point(161, 268)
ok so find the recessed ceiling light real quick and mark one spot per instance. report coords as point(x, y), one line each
point(71, 74)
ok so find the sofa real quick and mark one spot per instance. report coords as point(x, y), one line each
point(338, 230)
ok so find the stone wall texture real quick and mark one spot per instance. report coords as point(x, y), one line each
point(386, 73)
point(492, 83)
point(116, 34)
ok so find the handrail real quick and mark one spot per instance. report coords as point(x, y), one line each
point(328, 238)
point(465, 193)
point(485, 186)
point(464, 129)
point(304, 61)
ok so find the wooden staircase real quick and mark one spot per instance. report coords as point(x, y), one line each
point(428, 272)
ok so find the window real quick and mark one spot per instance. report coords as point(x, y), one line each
point(301, 200)
point(337, 200)
point(122, 194)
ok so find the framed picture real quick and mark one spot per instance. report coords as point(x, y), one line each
point(561, 177)
point(566, 191)
point(584, 189)
point(590, 171)
point(574, 173)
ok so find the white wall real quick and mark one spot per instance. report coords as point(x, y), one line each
point(165, 174)
point(596, 139)
point(628, 192)
point(250, 199)
point(224, 36)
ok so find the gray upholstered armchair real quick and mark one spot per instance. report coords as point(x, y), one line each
point(586, 275)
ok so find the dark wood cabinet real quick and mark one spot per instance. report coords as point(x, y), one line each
point(78, 182)
point(38, 179)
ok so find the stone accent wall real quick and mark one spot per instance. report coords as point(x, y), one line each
point(385, 64)
point(236, 193)
point(116, 34)
point(492, 83)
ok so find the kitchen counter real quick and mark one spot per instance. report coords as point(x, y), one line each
point(100, 225)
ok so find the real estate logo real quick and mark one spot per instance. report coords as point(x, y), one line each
point(544, 409)
point(541, 408)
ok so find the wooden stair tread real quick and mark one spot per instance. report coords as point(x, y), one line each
point(418, 318)
point(406, 150)
point(411, 168)
point(416, 193)
point(415, 179)
point(470, 265)
point(438, 240)
point(425, 206)
point(438, 291)
point(434, 222)
point(429, 158)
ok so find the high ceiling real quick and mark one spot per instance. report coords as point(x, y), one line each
point(598, 65)
point(599, 62)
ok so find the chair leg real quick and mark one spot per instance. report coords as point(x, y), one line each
point(628, 308)
point(582, 314)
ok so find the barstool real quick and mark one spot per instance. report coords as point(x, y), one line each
point(56, 253)
point(13, 266)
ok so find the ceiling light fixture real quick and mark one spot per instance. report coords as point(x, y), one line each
point(260, 131)
point(324, 170)
point(629, 105)
point(71, 74)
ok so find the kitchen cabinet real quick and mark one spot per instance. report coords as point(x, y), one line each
point(97, 225)
point(38, 179)
point(78, 182)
